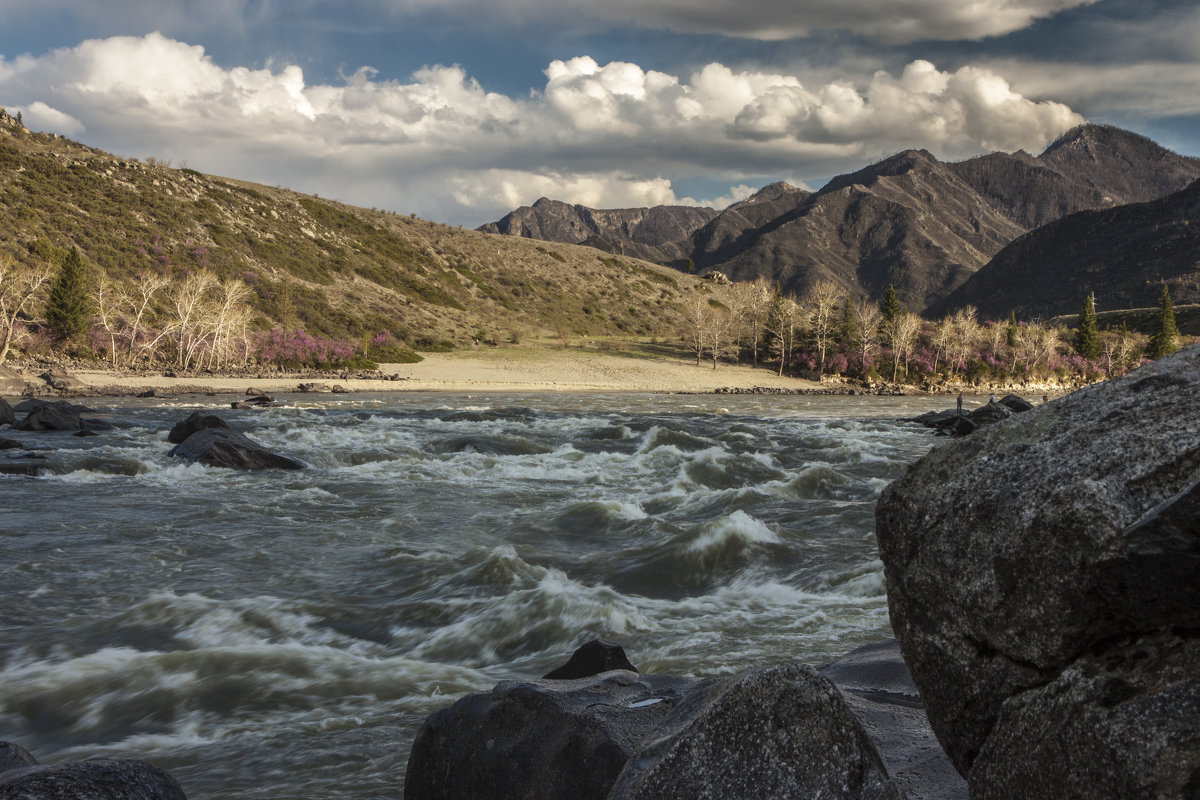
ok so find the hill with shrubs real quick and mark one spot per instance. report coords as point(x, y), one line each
point(201, 270)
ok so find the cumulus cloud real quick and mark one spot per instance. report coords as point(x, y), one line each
point(437, 143)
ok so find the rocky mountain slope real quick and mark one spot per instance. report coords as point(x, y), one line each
point(330, 268)
point(656, 234)
point(924, 225)
point(1123, 255)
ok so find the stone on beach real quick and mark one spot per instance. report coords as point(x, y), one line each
point(1044, 584)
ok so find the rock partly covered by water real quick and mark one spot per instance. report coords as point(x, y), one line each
point(1044, 582)
point(7, 417)
point(61, 415)
point(95, 779)
point(222, 447)
point(196, 421)
point(854, 729)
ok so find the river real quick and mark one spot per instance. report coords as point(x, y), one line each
point(283, 634)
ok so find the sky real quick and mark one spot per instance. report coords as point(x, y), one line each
point(461, 110)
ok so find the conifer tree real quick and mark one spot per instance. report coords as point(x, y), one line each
point(849, 322)
point(1087, 338)
point(1165, 339)
point(67, 306)
point(1013, 335)
point(890, 305)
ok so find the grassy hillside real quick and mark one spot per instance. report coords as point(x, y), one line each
point(330, 268)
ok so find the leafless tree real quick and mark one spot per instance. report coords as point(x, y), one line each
point(822, 304)
point(20, 285)
point(865, 336)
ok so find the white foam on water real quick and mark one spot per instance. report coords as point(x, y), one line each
point(737, 527)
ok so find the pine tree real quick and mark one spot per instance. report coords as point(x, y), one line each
point(1013, 335)
point(1165, 339)
point(1087, 338)
point(849, 323)
point(890, 305)
point(68, 305)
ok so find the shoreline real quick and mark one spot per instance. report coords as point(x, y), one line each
point(523, 369)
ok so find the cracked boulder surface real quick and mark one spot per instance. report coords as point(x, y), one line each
point(1043, 581)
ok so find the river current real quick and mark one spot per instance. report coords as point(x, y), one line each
point(284, 634)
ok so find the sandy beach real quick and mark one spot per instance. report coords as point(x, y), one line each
point(522, 369)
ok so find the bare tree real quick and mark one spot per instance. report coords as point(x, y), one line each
point(20, 285)
point(139, 305)
point(903, 335)
point(866, 332)
point(108, 309)
point(189, 322)
point(822, 304)
point(783, 317)
point(712, 330)
point(965, 329)
point(751, 301)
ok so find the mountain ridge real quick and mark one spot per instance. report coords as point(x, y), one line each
point(920, 224)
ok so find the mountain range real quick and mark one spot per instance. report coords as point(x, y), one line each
point(910, 220)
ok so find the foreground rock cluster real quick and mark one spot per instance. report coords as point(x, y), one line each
point(23, 778)
point(853, 729)
point(1043, 580)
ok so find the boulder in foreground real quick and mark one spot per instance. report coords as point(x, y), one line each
point(776, 732)
point(539, 740)
point(97, 779)
point(1044, 583)
point(221, 447)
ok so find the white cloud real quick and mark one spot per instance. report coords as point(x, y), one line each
point(1148, 88)
point(439, 144)
point(38, 116)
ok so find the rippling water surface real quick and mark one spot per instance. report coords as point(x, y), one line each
point(283, 634)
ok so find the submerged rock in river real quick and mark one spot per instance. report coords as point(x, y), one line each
point(222, 447)
point(196, 421)
point(1044, 583)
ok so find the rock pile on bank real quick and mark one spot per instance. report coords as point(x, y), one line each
point(1044, 583)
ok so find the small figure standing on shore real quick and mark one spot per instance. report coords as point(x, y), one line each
point(992, 399)
point(960, 404)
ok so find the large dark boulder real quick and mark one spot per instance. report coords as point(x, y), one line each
point(97, 779)
point(1044, 577)
point(539, 740)
point(990, 414)
point(1015, 403)
point(775, 732)
point(221, 447)
point(7, 417)
point(59, 416)
point(196, 421)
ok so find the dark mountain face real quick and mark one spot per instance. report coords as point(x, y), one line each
point(907, 221)
point(1123, 255)
point(910, 220)
point(653, 234)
